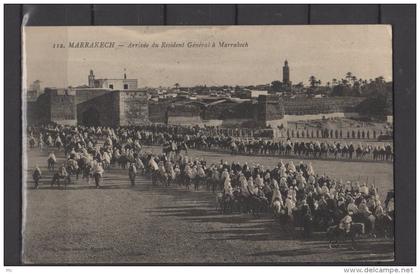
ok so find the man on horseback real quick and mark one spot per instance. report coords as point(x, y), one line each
point(58, 142)
point(60, 174)
point(153, 167)
point(345, 223)
point(31, 141)
point(97, 173)
point(36, 175)
point(72, 167)
point(49, 140)
point(132, 172)
point(51, 160)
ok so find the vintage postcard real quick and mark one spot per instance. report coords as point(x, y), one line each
point(207, 144)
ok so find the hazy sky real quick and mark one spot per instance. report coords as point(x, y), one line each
point(323, 51)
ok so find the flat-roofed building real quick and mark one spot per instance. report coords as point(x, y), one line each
point(115, 83)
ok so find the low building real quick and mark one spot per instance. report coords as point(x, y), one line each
point(114, 84)
point(249, 94)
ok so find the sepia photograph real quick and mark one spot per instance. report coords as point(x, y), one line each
point(207, 144)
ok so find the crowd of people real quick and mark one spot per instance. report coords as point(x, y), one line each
point(295, 193)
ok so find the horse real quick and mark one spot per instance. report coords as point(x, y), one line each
point(72, 168)
point(225, 203)
point(122, 161)
point(257, 204)
point(335, 234)
point(163, 177)
point(32, 142)
point(154, 174)
point(56, 179)
point(288, 149)
point(97, 176)
point(182, 147)
point(233, 148)
point(58, 145)
point(132, 175)
point(388, 152)
point(51, 163)
point(359, 152)
point(169, 148)
point(385, 226)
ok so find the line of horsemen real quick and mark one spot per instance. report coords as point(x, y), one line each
point(312, 149)
point(176, 139)
point(205, 139)
point(295, 194)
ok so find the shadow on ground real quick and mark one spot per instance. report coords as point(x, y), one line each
point(199, 207)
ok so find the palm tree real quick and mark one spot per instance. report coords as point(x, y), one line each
point(334, 82)
point(176, 85)
point(380, 79)
point(349, 75)
point(353, 79)
point(312, 81)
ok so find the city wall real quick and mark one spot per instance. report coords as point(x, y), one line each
point(133, 108)
point(158, 112)
point(185, 120)
point(86, 94)
point(309, 106)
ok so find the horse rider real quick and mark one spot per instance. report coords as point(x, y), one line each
point(132, 172)
point(58, 141)
point(41, 143)
point(258, 181)
point(276, 193)
point(390, 207)
point(310, 170)
point(153, 167)
point(62, 171)
point(291, 167)
point(227, 189)
point(368, 217)
point(252, 188)
point(364, 189)
point(245, 192)
point(51, 160)
point(290, 205)
point(61, 174)
point(97, 172)
point(140, 165)
point(36, 175)
point(49, 140)
point(345, 222)
point(201, 174)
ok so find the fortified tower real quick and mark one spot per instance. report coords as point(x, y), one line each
point(270, 110)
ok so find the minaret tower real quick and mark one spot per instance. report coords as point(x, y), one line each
point(286, 73)
point(91, 79)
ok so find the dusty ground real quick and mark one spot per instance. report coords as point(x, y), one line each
point(145, 224)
